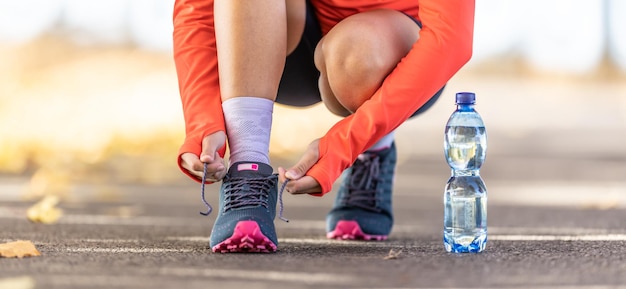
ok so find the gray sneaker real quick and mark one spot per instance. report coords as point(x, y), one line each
point(245, 221)
point(362, 209)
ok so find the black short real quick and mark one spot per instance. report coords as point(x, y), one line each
point(298, 85)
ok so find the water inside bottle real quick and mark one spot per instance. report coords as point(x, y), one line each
point(465, 223)
point(465, 212)
point(465, 147)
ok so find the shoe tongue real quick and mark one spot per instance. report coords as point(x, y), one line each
point(250, 170)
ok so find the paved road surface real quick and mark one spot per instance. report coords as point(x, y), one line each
point(153, 237)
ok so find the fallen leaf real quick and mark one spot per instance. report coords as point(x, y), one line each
point(45, 211)
point(18, 249)
point(393, 255)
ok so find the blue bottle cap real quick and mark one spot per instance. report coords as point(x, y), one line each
point(465, 98)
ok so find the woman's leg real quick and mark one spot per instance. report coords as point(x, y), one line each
point(354, 59)
point(253, 39)
point(357, 55)
point(252, 44)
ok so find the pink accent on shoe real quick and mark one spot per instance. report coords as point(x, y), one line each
point(247, 238)
point(350, 230)
point(247, 167)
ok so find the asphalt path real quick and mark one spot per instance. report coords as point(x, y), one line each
point(547, 229)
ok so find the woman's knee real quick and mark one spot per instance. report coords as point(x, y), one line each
point(359, 53)
point(353, 49)
point(348, 61)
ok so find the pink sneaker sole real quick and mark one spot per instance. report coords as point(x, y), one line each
point(247, 238)
point(350, 230)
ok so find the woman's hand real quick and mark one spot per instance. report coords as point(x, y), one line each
point(299, 183)
point(216, 169)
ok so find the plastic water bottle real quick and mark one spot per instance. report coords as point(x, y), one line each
point(465, 199)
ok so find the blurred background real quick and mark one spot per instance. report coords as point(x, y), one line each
point(88, 91)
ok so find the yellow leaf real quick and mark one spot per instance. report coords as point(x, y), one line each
point(18, 249)
point(45, 211)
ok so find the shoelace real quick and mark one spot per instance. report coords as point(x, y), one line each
point(237, 197)
point(362, 186)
